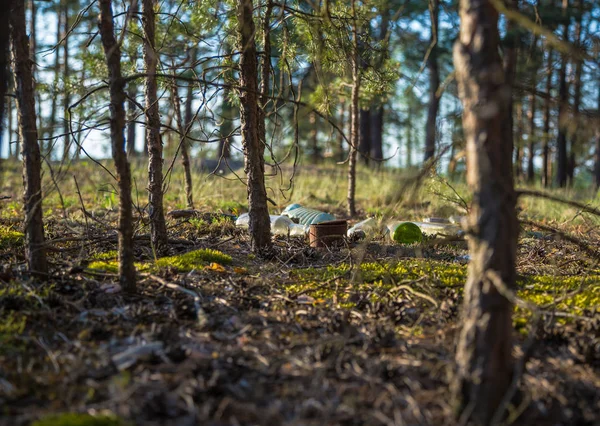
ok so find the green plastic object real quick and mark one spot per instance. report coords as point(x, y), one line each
point(407, 233)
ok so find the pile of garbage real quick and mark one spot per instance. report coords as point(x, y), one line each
point(296, 220)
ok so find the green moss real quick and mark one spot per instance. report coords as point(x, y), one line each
point(12, 327)
point(10, 238)
point(112, 266)
point(193, 260)
point(75, 419)
point(108, 262)
point(109, 255)
point(378, 278)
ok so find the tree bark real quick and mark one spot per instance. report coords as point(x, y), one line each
point(434, 83)
point(354, 116)
point(158, 227)
point(54, 102)
point(341, 154)
point(183, 129)
point(185, 144)
point(546, 178)
point(117, 137)
point(518, 143)
point(132, 94)
point(532, 137)
point(377, 116)
point(32, 182)
point(4, 61)
point(409, 138)
point(227, 117)
point(483, 356)
point(364, 139)
point(563, 106)
point(253, 146)
point(511, 48)
point(576, 98)
point(597, 153)
point(66, 88)
point(314, 138)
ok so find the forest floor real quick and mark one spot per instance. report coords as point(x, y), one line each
point(360, 335)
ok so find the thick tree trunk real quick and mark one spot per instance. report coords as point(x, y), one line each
point(117, 137)
point(434, 83)
point(546, 178)
point(483, 356)
point(563, 106)
point(253, 146)
point(32, 182)
point(158, 227)
point(354, 116)
point(67, 89)
point(364, 139)
point(378, 111)
point(377, 116)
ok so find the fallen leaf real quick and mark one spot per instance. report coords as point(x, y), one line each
point(215, 267)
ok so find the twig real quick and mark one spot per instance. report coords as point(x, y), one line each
point(590, 251)
point(584, 208)
point(200, 314)
point(87, 226)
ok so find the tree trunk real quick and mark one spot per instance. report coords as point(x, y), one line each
point(576, 98)
point(354, 116)
point(4, 61)
point(158, 227)
point(377, 114)
point(67, 89)
point(434, 83)
point(183, 128)
point(32, 56)
point(597, 154)
point(378, 111)
point(511, 49)
point(341, 154)
point(54, 102)
point(185, 144)
point(483, 356)
point(265, 77)
point(518, 143)
point(532, 136)
point(409, 138)
point(117, 137)
point(132, 94)
point(546, 178)
point(32, 182)
point(563, 106)
point(364, 139)
point(227, 116)
point(253, 146)
point(314, 138)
